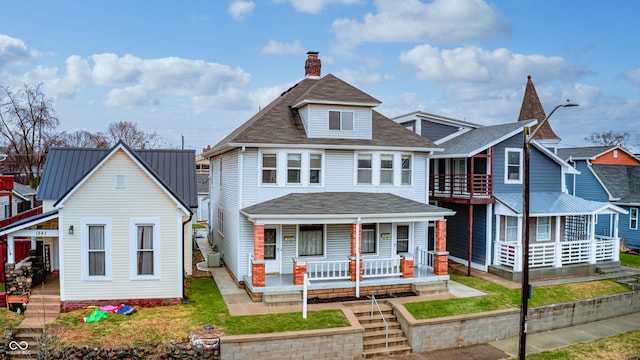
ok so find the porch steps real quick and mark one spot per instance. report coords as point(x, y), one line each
point(374, 338)
point(608, 268)
point(430, 288)
point(41, 310)
point(284, 298)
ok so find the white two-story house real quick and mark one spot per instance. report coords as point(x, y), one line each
point(319, 183)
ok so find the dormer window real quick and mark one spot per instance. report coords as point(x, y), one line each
point(340, 120)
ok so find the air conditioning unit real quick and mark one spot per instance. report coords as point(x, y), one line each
point(213, 259)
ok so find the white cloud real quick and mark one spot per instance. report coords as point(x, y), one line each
point(240, 9)
point(277, 48)
point(316, 6)
point(13, 51)
point(129, 96)
point(441, 21)
point(363, 76)
point(632, 75)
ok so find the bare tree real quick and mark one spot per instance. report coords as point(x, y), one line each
point(27, 124)
point(609, 138)
point(82, 139)
point(129, 133)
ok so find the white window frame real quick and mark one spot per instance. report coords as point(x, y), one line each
point(220, 227)
point(402, 169)
point(543, 226)
point(133, 236)
point(310, 169)
point(371, 171)
point(375, 240)
point(324, 242)
point(290, 168)
point(507, 228)
point(388, 170)
point(342, 123)
point(633, 218)
point(506, 166)
point(84, 248)
point(262, 169)
point(409, 240)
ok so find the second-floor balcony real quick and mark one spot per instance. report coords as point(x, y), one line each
point(474, 188)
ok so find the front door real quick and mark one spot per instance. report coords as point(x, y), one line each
point(271, 250)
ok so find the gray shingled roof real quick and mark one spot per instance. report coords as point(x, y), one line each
point(65, 167)
point(343, 203)
point(279, 123)
point(622, 181)
point(479, 139)
point(582, 153)
point(23, 190)
point(548, 204)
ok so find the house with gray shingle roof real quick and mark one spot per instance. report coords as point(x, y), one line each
point(320, 184)
point(611, 174)
point(115, 224)
point(480, 176)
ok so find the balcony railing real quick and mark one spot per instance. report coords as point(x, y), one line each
point(465, 186)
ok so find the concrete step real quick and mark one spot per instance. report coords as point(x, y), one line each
point(366, 309)
point(391, 351)
point(373, 333)
point(430, 288)
point(380, 343)
point(282, 299)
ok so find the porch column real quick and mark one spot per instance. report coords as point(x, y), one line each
point(616, 240)
point(406, 266)
point(517, 260)
point(257, 267)
point(441, 255)
point(557, 254)
point(592, 238)
point(33, 243)
point(299, 269)
point(496, 242)
point(352, 253)
point(11, 249)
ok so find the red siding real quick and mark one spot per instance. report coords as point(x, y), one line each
point(622, 159)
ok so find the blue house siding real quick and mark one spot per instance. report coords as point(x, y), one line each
point(630, 236)
point(434, 131)
point(458, 234)
point(586, 184)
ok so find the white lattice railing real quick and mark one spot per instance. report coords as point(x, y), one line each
point(328, 270)
point(424, 257)
point(575, 251)
point(606, 248)
point(381, 267)
point(506, 254)
point(541, 254)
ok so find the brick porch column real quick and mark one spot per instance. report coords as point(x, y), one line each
point(406, 266)
point(441, 256)
point(257, 267)
point(352, 253)
point(299, 269)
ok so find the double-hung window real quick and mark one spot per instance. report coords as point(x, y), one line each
point(511, 229)
point(96, 248)
point(145, 248)
point(406, 169)
point(97, 251)
point(340, 120)
point(386, 169)
point(513, 166)
point(294, 168)
point(364, 169)
point(368, 238)
point(269, 168)
point(633, 218)
point(543, 228)
point(315, 168)
point(311, 240)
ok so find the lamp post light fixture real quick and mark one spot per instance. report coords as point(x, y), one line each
point(526, 288)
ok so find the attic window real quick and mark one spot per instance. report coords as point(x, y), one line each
point(340, 120)
point(120, 183)
point(615, 153)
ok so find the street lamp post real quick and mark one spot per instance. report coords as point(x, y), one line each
point(525, 291)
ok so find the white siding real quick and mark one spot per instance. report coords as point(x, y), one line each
point(318, 122)
point(99, 198)
point(288, 249)
point(225, 196)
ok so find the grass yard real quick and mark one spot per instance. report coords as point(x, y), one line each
point(623, 346)
point(8, 320)
point(499, 297)
point(164, 323)
point(630, 260)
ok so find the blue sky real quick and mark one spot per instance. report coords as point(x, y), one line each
point(199, 69)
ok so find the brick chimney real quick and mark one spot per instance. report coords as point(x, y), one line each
point(312, 65)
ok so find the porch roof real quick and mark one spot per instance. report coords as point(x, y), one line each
point(343, 206)
point(553, 204)
point(30, 221)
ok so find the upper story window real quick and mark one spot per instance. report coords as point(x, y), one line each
point(386, 169)
point(269, 168)
point(340, 120)
point(406, 169)
point(120, 182)
point(633, 218)
point(513, 166)
point(315, 168)
point(364, 169)
point(294, 168)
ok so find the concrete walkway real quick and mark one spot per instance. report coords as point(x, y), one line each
point(239, 303)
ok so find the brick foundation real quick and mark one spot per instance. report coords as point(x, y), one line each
point(299, 269)
point(75, 304)
point(406, 267)
point(257, 275)
point(352, 270)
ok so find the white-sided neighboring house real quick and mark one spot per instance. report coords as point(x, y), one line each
point(116, 224)
point(318, 183)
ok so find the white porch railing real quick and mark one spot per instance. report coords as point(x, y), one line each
point(541, 254)
point(381, 267)
point(328, 270)
point(506, 253)
point(424, 257)
point(576, 251)
point(606, 248)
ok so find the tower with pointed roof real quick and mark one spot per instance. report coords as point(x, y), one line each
point(532, 109)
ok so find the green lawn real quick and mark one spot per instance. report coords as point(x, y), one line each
point(164, 323)
point(623, 346)
point(499, 297)
point(8, 320)
point(630, 260)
